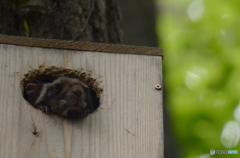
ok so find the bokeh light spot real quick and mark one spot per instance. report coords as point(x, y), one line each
point(230, 134)
point(195, 10)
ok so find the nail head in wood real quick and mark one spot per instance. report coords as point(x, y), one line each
point(158, 86)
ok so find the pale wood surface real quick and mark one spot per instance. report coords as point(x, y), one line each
point(128, 123)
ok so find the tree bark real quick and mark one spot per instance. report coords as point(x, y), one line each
point(80, 20)
point(138, 22)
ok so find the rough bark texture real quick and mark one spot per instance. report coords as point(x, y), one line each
point(80, 20)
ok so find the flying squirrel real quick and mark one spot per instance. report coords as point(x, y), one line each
point(65, 96)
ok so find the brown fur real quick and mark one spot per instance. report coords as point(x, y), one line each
point(65, 96)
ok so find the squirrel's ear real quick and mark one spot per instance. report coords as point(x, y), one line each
point(31, 86)
point(32, 91)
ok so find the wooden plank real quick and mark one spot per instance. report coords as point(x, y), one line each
point(82, 46)
point(128, 123)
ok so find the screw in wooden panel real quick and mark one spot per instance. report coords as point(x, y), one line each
point(158, 86)
point(35, 131)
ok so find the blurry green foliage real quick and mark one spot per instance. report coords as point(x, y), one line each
point(202, 72)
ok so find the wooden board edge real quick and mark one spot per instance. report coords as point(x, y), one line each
point(81, 46)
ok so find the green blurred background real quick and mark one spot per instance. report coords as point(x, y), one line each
point(201, 71)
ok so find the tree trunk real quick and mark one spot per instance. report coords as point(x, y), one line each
point(80, 20)
point(139, 21)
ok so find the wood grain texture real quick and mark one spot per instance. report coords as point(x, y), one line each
point(82, 46)
point(128, 123)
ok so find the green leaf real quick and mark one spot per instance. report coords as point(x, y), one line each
point(26, 27)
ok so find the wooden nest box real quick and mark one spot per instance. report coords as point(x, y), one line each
point(127, 80)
